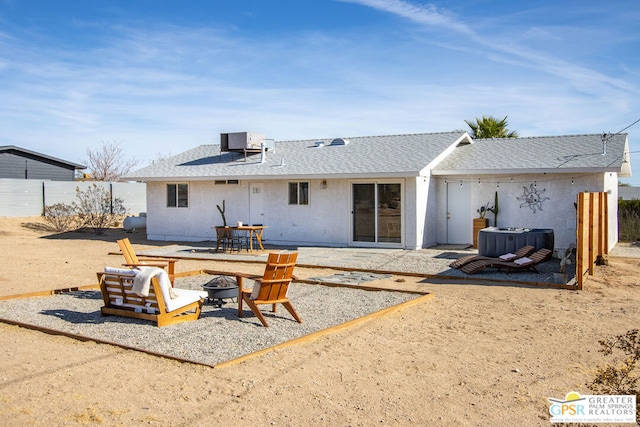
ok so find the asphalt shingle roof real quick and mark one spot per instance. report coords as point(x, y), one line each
point(23, 151)
point(536, 154)
point(396, 156)
point(392, 155)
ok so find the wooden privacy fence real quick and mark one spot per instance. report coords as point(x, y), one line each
point(592, 233)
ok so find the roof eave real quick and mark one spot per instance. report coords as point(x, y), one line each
point(464, 139)
point(299, 176)
point(76, 166)
point(625, 168)
point(443, 172)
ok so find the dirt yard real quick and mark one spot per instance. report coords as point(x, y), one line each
point(475, 355)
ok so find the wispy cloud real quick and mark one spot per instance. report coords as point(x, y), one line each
point(159, 87)
point(428, 15)
point(500, 49)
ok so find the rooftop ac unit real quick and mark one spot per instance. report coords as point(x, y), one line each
point(241, 141)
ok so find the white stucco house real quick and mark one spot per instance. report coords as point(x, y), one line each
point(395, 191)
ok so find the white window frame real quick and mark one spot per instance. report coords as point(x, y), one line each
point(299, 193)
point(177, 201)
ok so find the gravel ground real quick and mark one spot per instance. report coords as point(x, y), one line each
point(218, 336)
point(433, 261)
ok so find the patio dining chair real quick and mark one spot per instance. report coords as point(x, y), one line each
point(223, 238)
point(239, 239)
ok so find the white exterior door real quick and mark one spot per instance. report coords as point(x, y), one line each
point(459, 221)
point(256, 203)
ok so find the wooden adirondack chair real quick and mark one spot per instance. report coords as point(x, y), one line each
point(271, 288)
point(132, 260)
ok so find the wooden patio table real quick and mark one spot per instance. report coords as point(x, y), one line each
point(255, 231)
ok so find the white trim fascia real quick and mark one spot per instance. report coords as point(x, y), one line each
point(464, 137)
point(404, 174)
point(625, 169)
point(522, 171)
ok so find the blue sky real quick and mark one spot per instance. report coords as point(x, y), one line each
point(160, 77)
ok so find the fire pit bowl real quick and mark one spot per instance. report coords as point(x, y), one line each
point(219, 289)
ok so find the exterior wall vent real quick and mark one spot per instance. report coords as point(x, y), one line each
point(340, 141)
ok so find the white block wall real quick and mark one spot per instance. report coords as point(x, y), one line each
point(325, 221)
point(557, 192)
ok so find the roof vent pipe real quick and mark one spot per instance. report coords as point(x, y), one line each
point(263, 153)
point(604, 144)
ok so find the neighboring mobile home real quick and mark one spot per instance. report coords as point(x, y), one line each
point(19, 163)
point(395, 191)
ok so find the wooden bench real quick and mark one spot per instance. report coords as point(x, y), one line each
point(120, 299)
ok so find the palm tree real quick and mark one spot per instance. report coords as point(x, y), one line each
point(490, 127)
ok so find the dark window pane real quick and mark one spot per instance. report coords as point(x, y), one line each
point(171, 195)
point(364, 211)
point(183, 195)
point(389, 213)
point(304, 193)
point(293, 193)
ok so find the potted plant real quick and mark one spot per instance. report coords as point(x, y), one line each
point(221, 210)
point(480, 222)
point(223, 234)
point(482, 210)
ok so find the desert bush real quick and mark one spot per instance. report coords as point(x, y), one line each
point(96, 209)
point(93, 208)
point(622, 374)
point(60, 217)
point(629, 220)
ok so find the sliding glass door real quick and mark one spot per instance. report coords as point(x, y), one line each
point(377, 212)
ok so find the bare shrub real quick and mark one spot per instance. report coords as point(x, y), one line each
point(621, 376)
point(629, 220)
point(61, 217)
point(96, 209)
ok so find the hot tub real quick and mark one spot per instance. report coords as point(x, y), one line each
point(496, 241)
